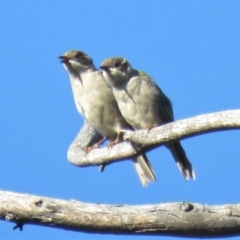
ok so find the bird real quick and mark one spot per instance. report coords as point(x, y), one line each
point(95, 101)
point(143, 104)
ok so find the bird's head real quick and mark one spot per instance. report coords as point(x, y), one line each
point(116, 70)
point(75, 61)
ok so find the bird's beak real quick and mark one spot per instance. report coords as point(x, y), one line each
point(104, 68)
point(64, 59)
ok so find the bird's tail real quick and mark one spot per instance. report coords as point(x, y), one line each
point(181, 160)
point(144, 169)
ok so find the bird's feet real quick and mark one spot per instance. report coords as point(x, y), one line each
point(119, 139)
point(149, 127)
point(95, 146)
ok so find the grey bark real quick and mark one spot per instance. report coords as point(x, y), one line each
point(165, 219)
point(171, 219)
point(138, 141)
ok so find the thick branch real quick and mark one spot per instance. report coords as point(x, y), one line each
point(146, 140)
point(173, 219)
point(86, 137)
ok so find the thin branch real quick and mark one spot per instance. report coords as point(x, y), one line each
point(145, 140)
point(172, 219)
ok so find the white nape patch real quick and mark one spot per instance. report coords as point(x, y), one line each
point(117, 72)
point(75, 64)
point(82, 69)
point(114, 70)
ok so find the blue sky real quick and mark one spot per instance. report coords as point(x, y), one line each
point(190, 48)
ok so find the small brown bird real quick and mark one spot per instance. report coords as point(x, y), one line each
point(143, 104)
point(96, 103)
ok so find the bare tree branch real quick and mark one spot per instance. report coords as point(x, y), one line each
point(172, 219)
point(145, 140)
point(86, 137)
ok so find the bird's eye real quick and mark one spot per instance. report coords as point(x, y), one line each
point(117, 64)
point(77, 55)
